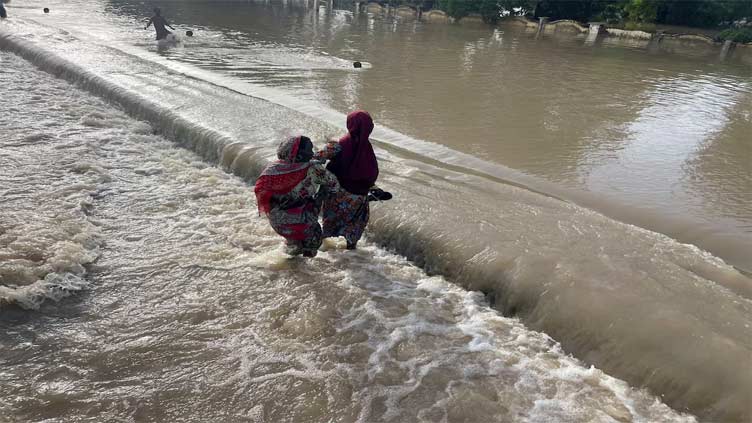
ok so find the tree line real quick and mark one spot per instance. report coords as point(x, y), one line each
point(697, 13)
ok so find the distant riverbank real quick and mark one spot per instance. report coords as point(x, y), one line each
point(695, 42)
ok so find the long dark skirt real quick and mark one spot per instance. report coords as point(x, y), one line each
point(345, 214)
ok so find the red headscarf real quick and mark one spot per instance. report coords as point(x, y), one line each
point(355, 166)
point(281, 177)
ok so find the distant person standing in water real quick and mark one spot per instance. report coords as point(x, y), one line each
point(159, 24)
point(353, 162)
point(3, 13)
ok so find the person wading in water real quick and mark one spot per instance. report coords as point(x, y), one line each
point(353, 162)
point(159, 24)
point(286, 193)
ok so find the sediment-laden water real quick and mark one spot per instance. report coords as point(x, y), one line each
point(656, 140)
point(184, 308)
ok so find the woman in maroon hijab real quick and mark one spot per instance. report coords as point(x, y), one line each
point(353, 162)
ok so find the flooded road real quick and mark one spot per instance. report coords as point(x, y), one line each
point(189, 311)
point(660, 141)
point(138, 283)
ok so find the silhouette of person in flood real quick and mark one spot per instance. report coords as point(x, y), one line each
point(159, 24)
point(3, 13)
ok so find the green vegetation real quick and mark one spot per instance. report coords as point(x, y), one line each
point(697, 13)
point(739, 35)
point(634, 13)
point(456, 8)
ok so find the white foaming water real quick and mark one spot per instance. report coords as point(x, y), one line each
point(117, 34)
point(194, 315)
point(46, 238)
point(286, 47)
point(44, 257)
point(632, 302)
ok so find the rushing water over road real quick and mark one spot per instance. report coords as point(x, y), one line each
point(655, 140)
point(192, 313)
point(658, 141)
point(184, 292)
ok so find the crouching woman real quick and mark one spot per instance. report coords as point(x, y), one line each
point(286, 194)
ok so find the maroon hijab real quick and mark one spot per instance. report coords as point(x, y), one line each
point(355, 166)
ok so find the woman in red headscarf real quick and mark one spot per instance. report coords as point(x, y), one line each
point(353, 162)
point(286, 192)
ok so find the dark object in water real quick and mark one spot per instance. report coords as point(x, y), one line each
point(357, 65)
point(189, 33)
point(378, 194)
point(46, 10)
point(3, 13)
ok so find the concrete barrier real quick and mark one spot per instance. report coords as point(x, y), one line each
point(564, 26)
point(623, 33)
point(374, 8)
point(437, 16)
point(406, 12)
